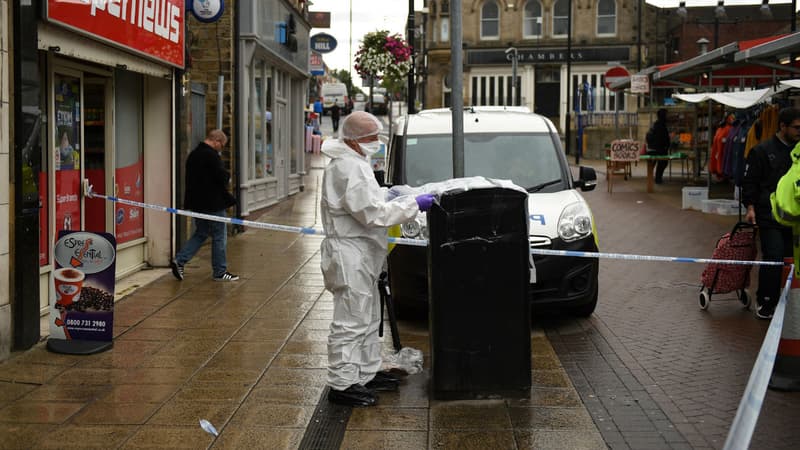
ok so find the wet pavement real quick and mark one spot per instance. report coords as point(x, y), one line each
point(250, 357)
point(648, 370)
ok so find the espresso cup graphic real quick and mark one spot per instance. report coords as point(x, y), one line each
point(68, 283)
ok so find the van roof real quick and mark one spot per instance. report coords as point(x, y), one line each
point(482, 119)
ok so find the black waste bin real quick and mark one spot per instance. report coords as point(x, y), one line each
point(479, 275)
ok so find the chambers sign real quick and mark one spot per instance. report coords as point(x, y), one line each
point(153, 28)
point(547, 55)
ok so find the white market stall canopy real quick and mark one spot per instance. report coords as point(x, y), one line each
point(741, 99)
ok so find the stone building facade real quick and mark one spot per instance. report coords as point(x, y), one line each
point(603, 32)
point(261, 50)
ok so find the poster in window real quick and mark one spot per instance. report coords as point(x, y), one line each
point(130, 186)
point(66, 152)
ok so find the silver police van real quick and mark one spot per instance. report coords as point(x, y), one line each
point(504, 143)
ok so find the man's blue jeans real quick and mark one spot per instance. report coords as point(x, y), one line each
point(219, 238)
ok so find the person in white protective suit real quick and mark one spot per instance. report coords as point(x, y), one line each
point(355, 216)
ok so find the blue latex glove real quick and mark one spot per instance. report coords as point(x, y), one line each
point(425, 201)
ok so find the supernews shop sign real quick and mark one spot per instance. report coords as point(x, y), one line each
point(153, 28)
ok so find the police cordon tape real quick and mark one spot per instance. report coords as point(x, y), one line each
point(423, 242)
point(741, 431)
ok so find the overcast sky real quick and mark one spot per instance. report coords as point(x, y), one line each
point(372, 15)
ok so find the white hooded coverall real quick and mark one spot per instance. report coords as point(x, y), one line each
point(355, 216)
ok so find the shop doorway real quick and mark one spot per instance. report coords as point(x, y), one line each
point(547, 93)
point(98, 153)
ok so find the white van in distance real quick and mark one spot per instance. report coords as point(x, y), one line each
point(335, 93)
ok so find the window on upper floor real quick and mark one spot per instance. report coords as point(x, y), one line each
point(490, 20)
point(606, 17)
point(560, 18)
point(532, 19)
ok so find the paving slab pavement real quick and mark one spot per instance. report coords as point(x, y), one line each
point(250, 357)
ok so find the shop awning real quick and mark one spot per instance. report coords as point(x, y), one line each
point(721, 62)
point(768, 53)
point(738, 100)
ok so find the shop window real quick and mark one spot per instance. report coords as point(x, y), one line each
point(67, 151)
point(592, 85)
point(606, 18)
point(490, 20)
point(560, 18)
point(129, 154)
point(267, 123)
point(297, 117)
point(258, 161)
point(532, 19)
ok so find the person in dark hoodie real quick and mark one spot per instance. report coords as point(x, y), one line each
point(658, 143)
point(207, 192)
point(766, 163)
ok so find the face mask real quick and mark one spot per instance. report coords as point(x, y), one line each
point(370, 148)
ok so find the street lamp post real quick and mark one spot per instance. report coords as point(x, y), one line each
point(514, 87)
point(410, 40)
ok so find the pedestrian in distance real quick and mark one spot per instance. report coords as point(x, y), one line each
point(356, 213)
point(766, 163)
point(336, 113)
point(207, 192)
point(658, 143)
point(319, 109)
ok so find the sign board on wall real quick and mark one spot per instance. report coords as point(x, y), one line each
point(319, 19)
point(315, 65)
point(323, 43)
point(154, 29)
point(207, 11)
point(640, 84)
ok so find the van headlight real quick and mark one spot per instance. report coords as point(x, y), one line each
point(415, 229)
point(575, 222)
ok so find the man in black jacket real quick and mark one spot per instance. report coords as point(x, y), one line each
point(766, 163)
point(658, 143)
point(207, 192)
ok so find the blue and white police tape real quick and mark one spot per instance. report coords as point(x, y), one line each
point(423, 242)
point(741, 431)
point(247, 223)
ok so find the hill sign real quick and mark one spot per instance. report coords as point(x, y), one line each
point(323, 43)
point(615, 74)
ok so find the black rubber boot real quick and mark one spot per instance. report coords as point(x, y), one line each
point(384, 375)
point(355, 395)
point(382, 385)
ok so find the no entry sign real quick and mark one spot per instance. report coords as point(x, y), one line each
point(615, 74)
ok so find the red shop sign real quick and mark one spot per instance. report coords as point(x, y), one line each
point(153, 28)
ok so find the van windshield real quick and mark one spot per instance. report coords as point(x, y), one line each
point(527, 159)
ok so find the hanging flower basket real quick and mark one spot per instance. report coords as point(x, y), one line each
point(383, 56)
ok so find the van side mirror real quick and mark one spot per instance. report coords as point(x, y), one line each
point(587, 179)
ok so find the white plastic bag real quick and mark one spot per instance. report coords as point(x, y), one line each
point(407, 359)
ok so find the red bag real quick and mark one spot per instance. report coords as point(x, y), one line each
point(739, 244)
